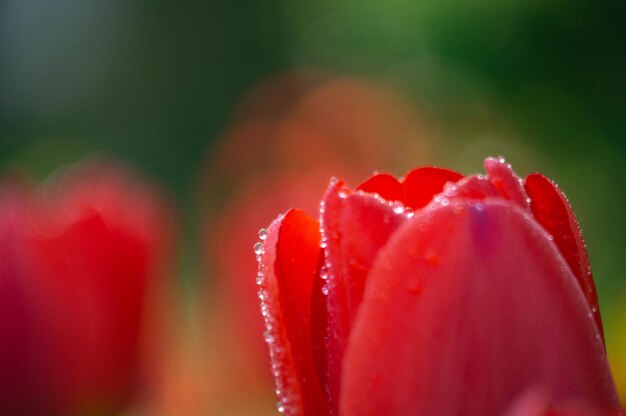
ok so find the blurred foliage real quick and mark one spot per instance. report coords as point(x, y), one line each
point(155, 82)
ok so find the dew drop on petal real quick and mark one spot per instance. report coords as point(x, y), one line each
point(258, 248)
point(324, 273)
point(262, 234)
point(397, 207)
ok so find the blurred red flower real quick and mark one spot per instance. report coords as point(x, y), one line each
point(78, 259)
point(437, 294)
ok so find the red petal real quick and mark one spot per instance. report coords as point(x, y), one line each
point(355, 228)
point(537, 403)
point(417, 188)
point(422, 184)
point(552, 210)
point(466, 307)
point(384, 185)
point(506, 181)
point(287, 269)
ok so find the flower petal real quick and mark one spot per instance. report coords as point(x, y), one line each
point(355, 226)
point(506, 181)
point(416, 189)
point(466, 307)
point(287, 267)
point(552, 210)
point(422, 184)
point(385, 185)
point(536, 403)
point(500, 182)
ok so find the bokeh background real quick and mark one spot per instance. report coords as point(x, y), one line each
point(237, 110)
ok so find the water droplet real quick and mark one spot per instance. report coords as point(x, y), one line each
point(324, 272)
point(449, 189)
point(258, 248)
point(259, 280)
point(325, 290)
point(334, 180)
point(280, 407)
point(397, 207)
point(262, 234)
point(444, 202)
point(408, 212)
point(594, 309)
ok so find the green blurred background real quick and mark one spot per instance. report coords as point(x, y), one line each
point(155, 84)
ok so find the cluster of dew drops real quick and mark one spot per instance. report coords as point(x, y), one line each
point(284, 404)
point(277, 358)
point(397, 207)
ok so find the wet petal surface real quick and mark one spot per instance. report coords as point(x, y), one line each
point(466, 306)
point(355, 226)
point(288, 263)
point(552, 210)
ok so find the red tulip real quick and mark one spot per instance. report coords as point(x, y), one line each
point(77, 259)
point(435, 294)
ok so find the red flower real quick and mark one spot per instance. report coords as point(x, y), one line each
point(437, 294)
point(77, 260)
